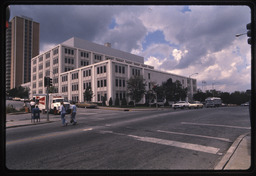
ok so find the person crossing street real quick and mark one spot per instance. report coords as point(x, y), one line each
point(62, 114)
point(73, 114)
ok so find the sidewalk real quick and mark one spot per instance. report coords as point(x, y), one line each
point(10, 123)
point(238, 156)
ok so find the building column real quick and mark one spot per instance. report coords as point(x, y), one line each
point(110, 75)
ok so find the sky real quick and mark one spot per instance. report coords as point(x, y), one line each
point(182, 40)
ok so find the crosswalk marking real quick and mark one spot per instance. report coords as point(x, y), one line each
point(189, 146)
point(216, 125)
point(195, 135)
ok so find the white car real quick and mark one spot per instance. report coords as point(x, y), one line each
point(195, 105)
point(181, 105)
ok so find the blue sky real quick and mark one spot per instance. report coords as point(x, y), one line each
point(177, 39)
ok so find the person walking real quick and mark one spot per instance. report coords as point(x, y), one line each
point(62, 114)
point(73, 113)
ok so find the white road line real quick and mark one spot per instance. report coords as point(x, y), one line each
point(189, 146)
point(195, 135)
point(205, 124)
point(87, 129)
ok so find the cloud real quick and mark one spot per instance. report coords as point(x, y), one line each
point(196, 38)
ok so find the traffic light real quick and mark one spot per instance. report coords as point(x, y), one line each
point(249, 33)
point(47, 81)
point(50, 82)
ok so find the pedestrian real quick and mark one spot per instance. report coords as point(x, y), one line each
point(73, 113)
point(36, 113)
point(32, 105)
point(62, 114)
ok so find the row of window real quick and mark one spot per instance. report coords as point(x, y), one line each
point(97, 57)
point(136, 72)
point(68, 68)
point(85, 54)
point(87, 73)
point(69, 51)
point(102, 83)
point(65, 88)
point(102, 96)
point(74, 87)
point(69, 60)
point(87, 84)
point(119, 69)
point(64, 78)
point(74, 76)
point(121, 95)
point(84, 63)
point(120, 82)
point(102, 69)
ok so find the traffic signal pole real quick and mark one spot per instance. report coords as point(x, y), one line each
point(47, 102)
point(47, 84)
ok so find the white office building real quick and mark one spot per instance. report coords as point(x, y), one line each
point(75, 64)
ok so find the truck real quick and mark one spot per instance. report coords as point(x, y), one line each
point(213, 102)
point(54, 103)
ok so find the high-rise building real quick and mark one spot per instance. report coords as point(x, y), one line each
point(22, 44)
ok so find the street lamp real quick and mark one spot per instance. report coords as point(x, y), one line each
point(191, 92)
point(238, 35)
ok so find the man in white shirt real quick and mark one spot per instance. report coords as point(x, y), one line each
point(62, 114)
point(73, 113)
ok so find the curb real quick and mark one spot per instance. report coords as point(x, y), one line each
point(22, 125)
point(225, 159)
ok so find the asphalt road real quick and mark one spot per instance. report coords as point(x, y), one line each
point(129, 140)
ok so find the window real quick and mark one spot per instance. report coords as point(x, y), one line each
point(148, 75)
point(116, 82)
point(105, 69)
point(56, 51)
point(123, 70)
point(105, 83)
point(47, 64)
point(40, 66)
point(47, 55)
point(116, 68)
point(74, 76)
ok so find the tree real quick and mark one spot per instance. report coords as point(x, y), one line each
point(117, 102)
point(110, 102)
point(168, 89)
point(136, 88)
point(123, 102)
point(88, 93)
point(52, 89)
point(22, 92)
point(179, 92)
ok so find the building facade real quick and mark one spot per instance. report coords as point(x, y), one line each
point(22, 43)
point(76, 64)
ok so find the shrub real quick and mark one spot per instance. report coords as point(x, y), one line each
point(110, 103)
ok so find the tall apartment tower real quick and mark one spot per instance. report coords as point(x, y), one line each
point(22, 44)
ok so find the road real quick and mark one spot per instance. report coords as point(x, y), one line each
point(105, 139)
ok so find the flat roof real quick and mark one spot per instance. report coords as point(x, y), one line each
point(84, 44)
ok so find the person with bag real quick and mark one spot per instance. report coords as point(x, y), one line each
point(73, 113)
point(62, 114)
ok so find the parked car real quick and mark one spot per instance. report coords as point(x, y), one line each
point(245, 104)
point(195, 105)
point(16, 99)
point(86, 105)
point(181, 105)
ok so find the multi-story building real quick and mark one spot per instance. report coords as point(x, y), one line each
point(76, 64)
point(22, 43)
